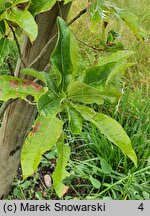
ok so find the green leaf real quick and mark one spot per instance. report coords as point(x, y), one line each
point(20, 1)
point(25, 20)
point(75, 120)
point(17, 192)
point(102, 10)
point(112, 36)
point(2, 27)
point(98, 73)
point(49, 103)
point(44, 135)
point(118, 56)
point(115, 47)
point(26, 184)
point(108, 92)
point(37, 6)
point(51, 83)
point(95, 182)
point(4, 49)
point(132, 22)
point(34, 73)
point(110, 128)
point(105, 73)
point(60, 172)
point(2, 6)
point(7, 5)
point(118, 70)
point(64, 56)
point(12, 87)
point(80, 92)
point(67, 1)
point(15, 2)
point(106, 168)
point(98, 12)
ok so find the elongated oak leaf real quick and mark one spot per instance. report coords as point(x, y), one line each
point(44, 135)
point(60, 172)
point(12, 87)
point(110, 128)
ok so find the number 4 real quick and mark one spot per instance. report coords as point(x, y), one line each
point(141, 207)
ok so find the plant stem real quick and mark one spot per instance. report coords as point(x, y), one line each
point(17, 44)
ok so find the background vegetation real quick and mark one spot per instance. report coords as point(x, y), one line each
point(99, 169)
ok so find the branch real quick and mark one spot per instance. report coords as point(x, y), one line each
point(78, 16)
point(17, 44)
point(43, 51)
point(4, 106)
point(91, 47)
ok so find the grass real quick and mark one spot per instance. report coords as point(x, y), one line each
point(98, 158)
point(98, 168)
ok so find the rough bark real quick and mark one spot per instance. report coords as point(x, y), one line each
point(19, 116)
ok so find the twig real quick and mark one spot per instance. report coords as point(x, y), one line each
point(43, 51)
point(10, 66)
point(91, 47)
point(4, 106)
point(78, 16)
point(17, 44)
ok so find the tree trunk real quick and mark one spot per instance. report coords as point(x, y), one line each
point(19, 116)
